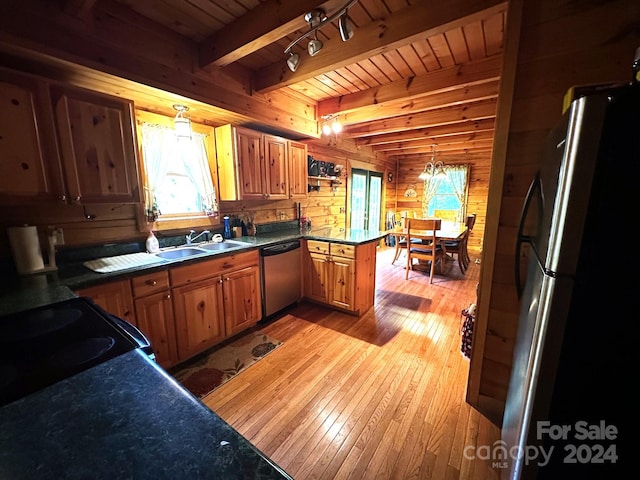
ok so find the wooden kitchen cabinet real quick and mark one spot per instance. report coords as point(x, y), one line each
point(154, 315)
point(340, 275)
point(199, 316)
point(254, 165)
point(97, 144)
point(30, 170)
point(114, 297)
point(298, 170)
point(242, 307)
point(215, 299)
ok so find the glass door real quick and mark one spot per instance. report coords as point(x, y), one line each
point(366, 199)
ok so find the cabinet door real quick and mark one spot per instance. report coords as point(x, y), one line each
point(114, 297)
point(96, 136)
point(155, 319)
point(298, 170)
point(242, 299)
point(342, 281)
point(275, 165)
point(30, 170)
point(249, 151)
point(316, 280)
point(199, 316)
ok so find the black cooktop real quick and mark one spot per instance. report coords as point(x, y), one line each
point(44, 345)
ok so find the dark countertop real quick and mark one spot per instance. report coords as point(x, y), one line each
point(27, 292)
point(123, 419)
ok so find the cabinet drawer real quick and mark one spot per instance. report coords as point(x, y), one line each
point(151, 283)
point(211, 268)
point(316, 246)
point(342, 250)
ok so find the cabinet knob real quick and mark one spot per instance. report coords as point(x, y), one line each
point(76, 199)
point(168, 297)
point(220, 281)
point(63, 198)
point(153, 283)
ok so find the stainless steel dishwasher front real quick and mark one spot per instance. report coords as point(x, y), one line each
point(281, 276)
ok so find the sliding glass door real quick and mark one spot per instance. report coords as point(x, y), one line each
point(366, 199)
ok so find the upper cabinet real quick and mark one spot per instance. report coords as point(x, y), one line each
point(254, 165)
point(64, 144)
point(96, 134)
point(30, 169)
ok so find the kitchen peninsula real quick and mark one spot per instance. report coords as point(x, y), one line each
point(127, 417)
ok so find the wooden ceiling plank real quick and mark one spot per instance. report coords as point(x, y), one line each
point(268, 22)
point(457, 45)
point(424, 51)
point(474, 36)
point(494, 32)
point(471, 73)
point(441, 49)
point(408, 52)
point(481, 110)
point(387, 67)
point(469, 127)
point(449, 98)
point(448, 141)
point(400, 28)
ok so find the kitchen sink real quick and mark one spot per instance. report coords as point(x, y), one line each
point(181, 253)
point(223, 245)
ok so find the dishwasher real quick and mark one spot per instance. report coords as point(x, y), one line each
point(281, 276)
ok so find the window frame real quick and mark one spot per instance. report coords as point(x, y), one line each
point(176, 221)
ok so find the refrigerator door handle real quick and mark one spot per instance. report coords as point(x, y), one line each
point(534, 188)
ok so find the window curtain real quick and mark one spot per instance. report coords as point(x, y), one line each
point(431, 185)
point(196, 163)
point(457, 175)
point(159, 147)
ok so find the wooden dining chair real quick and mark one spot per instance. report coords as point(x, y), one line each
point(433, 252)
point(401, 241)
point(459, 248)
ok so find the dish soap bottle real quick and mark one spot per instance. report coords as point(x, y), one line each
point(152, 243)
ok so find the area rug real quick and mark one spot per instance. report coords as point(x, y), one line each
point(215, 369)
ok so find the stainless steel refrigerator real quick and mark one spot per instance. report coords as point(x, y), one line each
point(568, 408)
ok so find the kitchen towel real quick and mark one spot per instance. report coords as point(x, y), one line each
point(26, 249)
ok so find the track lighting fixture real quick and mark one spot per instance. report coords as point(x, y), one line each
point(317, 19)
point(331, 124)
point(181, 122)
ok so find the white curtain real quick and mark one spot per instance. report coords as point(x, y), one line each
point(457, 175)
point(196, 164)
point(160, 148)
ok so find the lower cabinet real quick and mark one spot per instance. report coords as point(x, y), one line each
point(214, 300)
point(199, 316)
point(154, 315)
point(187, 309)
point(114, 297)
point(340, 275)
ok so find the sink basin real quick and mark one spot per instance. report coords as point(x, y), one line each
point(221, 246)
point(180, 253)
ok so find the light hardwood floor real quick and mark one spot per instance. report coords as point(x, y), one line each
point(375, 397)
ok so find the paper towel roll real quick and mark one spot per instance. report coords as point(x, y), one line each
point(26, 249)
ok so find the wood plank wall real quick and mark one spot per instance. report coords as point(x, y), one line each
point(562, 43)
point(479, 168)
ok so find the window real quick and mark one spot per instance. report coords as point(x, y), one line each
point(179, 187)
point(446, 197)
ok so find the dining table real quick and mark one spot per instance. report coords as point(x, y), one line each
point(449, 231)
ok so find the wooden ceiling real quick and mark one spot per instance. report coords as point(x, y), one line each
point(416, 73)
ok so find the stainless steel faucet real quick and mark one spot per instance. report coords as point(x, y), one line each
point(191, 239)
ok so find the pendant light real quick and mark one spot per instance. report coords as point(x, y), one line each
point(433, 169)
point(181, 122)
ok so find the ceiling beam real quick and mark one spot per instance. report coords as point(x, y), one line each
point(440, 81)
point(410, 24)
point(441, 142)
point(432, 133)
point(267, 23)
point(460, 114)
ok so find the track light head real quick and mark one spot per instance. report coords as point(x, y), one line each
point(344, 25)
point(293, 61)
point(314, 46)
